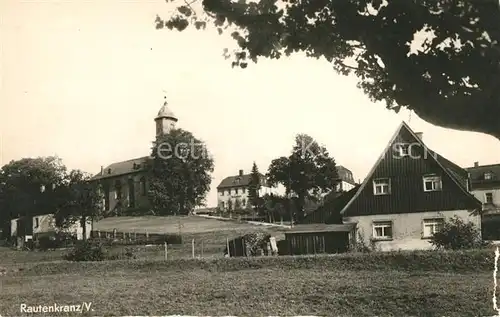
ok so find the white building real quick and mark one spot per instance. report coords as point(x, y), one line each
point(485, 186)
point(235, 188)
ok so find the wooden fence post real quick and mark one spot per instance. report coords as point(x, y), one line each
point(227, 245)
point(192, 247)
point(166, 251)
point(99, 234)
point(147, 235)
point(114, 233)
point(202, 248)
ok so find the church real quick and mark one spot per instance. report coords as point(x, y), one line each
point(125, 183)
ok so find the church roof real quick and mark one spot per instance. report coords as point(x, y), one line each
point(122, 168)
point(165, 112)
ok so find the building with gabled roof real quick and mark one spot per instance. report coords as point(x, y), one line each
point(408, 194)
point(485, 185)
point(233, 191)
point(125, 183)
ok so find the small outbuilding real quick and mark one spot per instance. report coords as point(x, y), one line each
point(320, 238)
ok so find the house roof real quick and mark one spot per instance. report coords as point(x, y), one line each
point(237, 181)
point(457, 174)
point(122, 168)
point(477, 176)
point(321, 227)
point(345, 174)
point(334, 202)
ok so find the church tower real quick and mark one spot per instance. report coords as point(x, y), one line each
point(165, 120)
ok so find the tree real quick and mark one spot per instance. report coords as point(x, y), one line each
point(450, 81)
point(306, 172)
point(180, 171)
point(457, 234)
point(237, 205)
point(254, 186)
point(230, 207)
point(80, 200)
point(26, 187)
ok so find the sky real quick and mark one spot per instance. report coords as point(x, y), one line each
point(83, 80)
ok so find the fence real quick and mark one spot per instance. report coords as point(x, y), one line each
point(169, 246)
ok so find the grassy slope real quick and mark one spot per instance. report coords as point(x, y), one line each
point(171, 224)
point(253, 292)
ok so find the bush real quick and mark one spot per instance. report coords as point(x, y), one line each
point(86, 251)
point(53, 240)
point(457, 234)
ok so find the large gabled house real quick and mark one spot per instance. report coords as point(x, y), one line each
point(408, 194)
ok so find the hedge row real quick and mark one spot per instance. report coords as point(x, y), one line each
point(449, 261)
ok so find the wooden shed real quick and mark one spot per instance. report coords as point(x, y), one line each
point(320, 238)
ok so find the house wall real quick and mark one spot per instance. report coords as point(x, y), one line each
point(241, 193)
point(46, 223)
point(480, 194)
point(13, 227)
point(407, 228)
point(141, 200)
point(344, 186)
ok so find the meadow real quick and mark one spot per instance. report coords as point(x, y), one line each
point(425, 283)
point(375, 284)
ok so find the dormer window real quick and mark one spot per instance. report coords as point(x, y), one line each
point(109, 171)
point(488, 176)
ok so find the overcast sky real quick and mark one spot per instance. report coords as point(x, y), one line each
point(84, 80)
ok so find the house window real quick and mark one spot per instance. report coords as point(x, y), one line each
point(243, 202)
point(432, 183)
point(118, 190)
point(37, 222)
point(131, 193)
point(431, 226)
point(382, 186)
point(488, 176)
point(106, 197)
point(236, 190)
point(142, 185)
point(382, 230)
point(489, 198)
point(222, 205)
point(243, 190)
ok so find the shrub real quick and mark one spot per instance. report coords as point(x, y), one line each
point(86, 251)
point(457, 234)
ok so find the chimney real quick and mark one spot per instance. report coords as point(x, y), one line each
point(241, 172)
point(419, 135)
point(102, 170)
point(476, 164)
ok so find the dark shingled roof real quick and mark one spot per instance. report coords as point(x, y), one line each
point(329, 211)
point(321, 227)
point(123, 168)
point(345, 174)
point(477, 176)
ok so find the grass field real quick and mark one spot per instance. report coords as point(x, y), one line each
point(150, 288)
point(171, 224)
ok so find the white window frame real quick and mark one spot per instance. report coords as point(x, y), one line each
point(434, 179)
point(486, 198)
point(488, 176)
point(435, 223)
point(382, 224)
point(382, 185)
